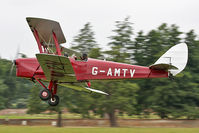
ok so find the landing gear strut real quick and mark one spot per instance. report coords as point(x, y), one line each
point(171, 77)
point(49, 93)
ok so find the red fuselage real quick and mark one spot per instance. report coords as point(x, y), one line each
point(92, 69)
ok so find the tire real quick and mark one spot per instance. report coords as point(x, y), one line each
point(53, 101)
point(45, 94)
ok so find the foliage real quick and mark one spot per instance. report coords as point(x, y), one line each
point(14, 91)
point(122, 95)
point(35, 104)
point(120, 41)
point(85, 40)
point(169, 99)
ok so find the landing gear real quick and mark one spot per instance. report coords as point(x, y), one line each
point(171, 77)
point(53, 101)
point(45, 94)
point(49, 93)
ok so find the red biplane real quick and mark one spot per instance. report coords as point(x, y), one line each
point(61, 66)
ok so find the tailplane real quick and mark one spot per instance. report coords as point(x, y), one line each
point(174, 60)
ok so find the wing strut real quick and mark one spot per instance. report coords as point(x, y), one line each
point(44, 30)
point(56, 44)
point(38, 41)
point(40, 45)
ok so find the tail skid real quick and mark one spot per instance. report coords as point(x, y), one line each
point(174, 60)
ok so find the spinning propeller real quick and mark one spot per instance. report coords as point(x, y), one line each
point(17, 54)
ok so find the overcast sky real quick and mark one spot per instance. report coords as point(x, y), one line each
point(73, 14)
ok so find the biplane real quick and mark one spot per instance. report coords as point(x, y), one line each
point(58, 65)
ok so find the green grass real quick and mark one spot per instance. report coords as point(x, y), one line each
point(40, 116)
point(75, 116)
point(67, 116)
point(36, 129)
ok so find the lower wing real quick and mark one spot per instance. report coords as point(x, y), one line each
point(56, 68)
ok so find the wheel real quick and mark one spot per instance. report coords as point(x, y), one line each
point(171, 77)
point(45, 94)
point(53, 101)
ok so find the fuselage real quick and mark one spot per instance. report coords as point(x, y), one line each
point(92, 69)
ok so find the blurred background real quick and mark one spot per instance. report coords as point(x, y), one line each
point(134, 32)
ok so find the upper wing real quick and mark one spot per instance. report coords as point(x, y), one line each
point(57, 68)
point(45, 27)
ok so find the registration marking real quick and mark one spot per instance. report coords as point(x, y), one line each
point(116, 72)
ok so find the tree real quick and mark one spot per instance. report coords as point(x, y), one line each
point(169, 99)
point(85, 40)
point(121, 41)
point(96, 53)
point(138, 49)
point(3, 87)
point(115, 103)
point(193, 45)
point(121, 99)
point(122, 95)
point(15, 91)
point(156, 42)
point(35, 104)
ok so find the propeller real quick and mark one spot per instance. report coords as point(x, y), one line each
point(13, 60)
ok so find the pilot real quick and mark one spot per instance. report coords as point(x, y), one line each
point(84, 57)
point(75, 57)
point(65, 54)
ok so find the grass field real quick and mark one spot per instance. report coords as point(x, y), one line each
point(65, 116)
point(36, 129)
point(40, 116)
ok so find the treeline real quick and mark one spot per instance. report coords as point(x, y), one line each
point(14, 91)
point(169, 99)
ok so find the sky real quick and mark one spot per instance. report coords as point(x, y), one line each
point(102, 14)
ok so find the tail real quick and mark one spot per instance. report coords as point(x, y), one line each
point(174, 60)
